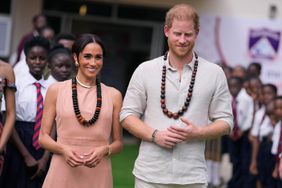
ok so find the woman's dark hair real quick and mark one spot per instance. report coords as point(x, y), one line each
point(57, 49)
point(83, 40)
point(36, 41)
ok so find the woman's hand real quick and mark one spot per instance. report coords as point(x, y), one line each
point(72, 158)
point(93, 158)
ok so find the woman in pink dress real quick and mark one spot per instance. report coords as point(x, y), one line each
point(86, 114)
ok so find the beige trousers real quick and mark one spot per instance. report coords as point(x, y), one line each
point(142, 184)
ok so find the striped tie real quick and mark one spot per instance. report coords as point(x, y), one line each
point(235, 134)
point(39, 110)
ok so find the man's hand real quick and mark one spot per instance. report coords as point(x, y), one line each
point(168, 139)
point(187, 131)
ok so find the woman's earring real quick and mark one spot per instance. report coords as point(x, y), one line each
point(76, 63)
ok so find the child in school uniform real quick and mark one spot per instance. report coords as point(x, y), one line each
point(276, 149)
point(261, 134)
point(26, 163)
point(249, 179)
point(60, 64)
point(241, 103)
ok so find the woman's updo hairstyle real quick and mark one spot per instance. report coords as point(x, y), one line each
point(84, 39)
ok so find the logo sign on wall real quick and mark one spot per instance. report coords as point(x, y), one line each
point(237, 41)
point(264, 43)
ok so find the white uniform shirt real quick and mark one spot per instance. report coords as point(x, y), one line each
point(51, 80)
point(21, 69)
point(26, 97)
point(276, 138)
point(244, 110)
point(185, 163)
point(262, 124)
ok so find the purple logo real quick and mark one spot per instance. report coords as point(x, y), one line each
point(264, 43)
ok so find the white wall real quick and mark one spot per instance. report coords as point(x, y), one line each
point(239, 8)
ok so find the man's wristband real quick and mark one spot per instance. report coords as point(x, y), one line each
point(280, 155)
point(154, 135)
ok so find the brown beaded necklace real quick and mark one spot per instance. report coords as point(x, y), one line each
point(78, 115)
point(184, 108)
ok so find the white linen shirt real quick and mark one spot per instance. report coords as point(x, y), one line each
point(185, 163)
point(26, 97)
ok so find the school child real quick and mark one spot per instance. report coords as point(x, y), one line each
point(242, 108)
point(60, 62)
point(276, 149)
point(261, 139)
point(25, 162)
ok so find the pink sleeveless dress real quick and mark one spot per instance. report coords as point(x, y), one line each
point(81, 139)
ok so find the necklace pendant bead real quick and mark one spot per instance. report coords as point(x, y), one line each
point(175, 115)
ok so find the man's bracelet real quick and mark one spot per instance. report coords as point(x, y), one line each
point(154, 135)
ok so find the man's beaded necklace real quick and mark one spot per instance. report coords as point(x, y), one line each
point(184, 108)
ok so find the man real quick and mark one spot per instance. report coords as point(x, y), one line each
point(168, 104)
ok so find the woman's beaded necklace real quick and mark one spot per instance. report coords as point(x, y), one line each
point(78, 115)
point(184, 108)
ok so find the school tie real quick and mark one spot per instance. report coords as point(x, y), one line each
point(236, 127)
point(38, 118)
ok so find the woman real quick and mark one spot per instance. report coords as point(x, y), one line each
point(7, 92)
point(87, 118)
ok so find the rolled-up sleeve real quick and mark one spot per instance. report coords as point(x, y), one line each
point(220, 107)
point(135, 98)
